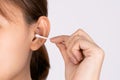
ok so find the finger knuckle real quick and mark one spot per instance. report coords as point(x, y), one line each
point(72, 50)
point(80, 30)
point(100, 52)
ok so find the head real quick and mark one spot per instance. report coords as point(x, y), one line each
point(20, 52)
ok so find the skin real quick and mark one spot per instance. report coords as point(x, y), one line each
point(83, 58)
point(17, 44)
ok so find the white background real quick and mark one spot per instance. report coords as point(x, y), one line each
point(99, 18)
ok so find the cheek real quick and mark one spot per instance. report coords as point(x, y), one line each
point(14, 49)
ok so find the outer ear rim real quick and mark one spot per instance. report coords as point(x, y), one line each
point(38, 42)
point(46, 24)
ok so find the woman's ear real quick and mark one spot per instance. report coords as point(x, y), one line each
point(42, 27)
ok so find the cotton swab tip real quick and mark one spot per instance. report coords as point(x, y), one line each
point(38, 36)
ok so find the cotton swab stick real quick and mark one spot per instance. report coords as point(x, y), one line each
point(38, 36)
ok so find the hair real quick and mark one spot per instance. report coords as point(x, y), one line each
point(32, 10)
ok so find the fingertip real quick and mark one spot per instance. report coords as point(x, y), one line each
point(55, 40)
point(52, 40)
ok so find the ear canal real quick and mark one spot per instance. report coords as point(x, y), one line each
point(34, 38)
point(37, 31)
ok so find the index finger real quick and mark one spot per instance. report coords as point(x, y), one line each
point(59, 39)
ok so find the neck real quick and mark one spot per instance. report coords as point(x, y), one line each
point(25, 73)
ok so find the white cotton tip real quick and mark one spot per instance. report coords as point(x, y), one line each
point(38, 36)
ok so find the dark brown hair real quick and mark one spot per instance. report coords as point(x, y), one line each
point(32, 10)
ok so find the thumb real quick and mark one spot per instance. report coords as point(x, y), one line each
point(62, 49)
point(59, 41)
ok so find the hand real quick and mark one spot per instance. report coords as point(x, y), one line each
point(83, 58)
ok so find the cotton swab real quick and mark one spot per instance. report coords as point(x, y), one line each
point(38, 36)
